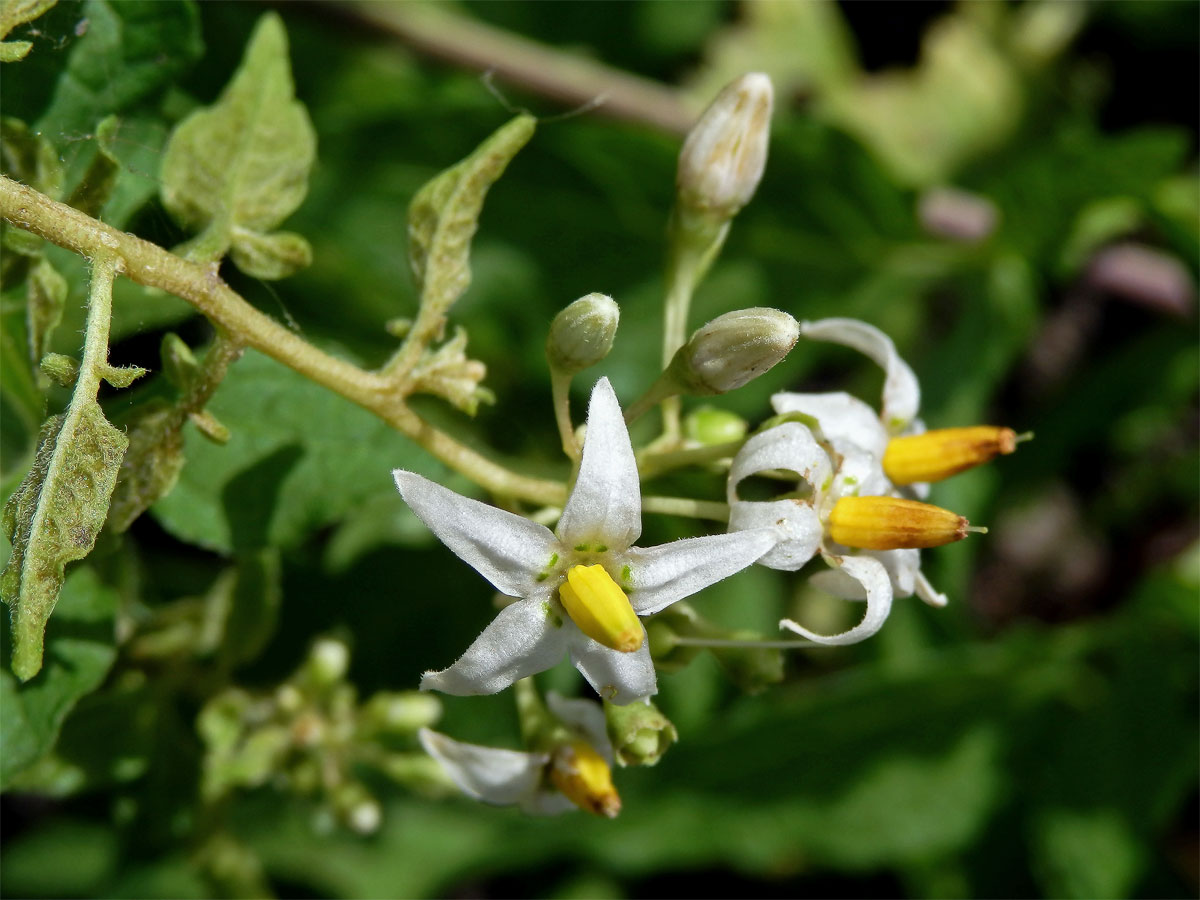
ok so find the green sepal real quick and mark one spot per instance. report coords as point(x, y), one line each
point(53, 518)
point(235, 170)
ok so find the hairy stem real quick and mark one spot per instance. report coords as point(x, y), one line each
point(202, 286)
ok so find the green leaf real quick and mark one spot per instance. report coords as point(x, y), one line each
point(151, 465)
point(53, 518)
point(46, 294)
point(100, 178)
point(131, 49)
point(80, 650)
point(236, 170)
point(445, 213)
point(12, 14)
point(29, 157)
point(299, 458)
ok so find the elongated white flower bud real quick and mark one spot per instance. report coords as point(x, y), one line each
point(733, 349)
point(582, 333)
point(723, 157)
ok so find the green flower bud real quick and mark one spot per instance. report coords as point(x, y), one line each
point(401, 713)
point(640, 733)
point(723, 157)
point(60, 369)
point(582, 333)
point(328, 661)
point(709, 426)
point(732, 350)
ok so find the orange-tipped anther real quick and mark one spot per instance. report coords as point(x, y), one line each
point(891, 523)
point(939, 454)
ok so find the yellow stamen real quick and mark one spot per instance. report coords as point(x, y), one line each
point(600, 608)
point(585, 779)
point(939, 454)
point(890, 523)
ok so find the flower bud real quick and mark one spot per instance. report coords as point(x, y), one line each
point(723, 156)
point(582, 333)
point(733, 349)
point(709, 425)
point(640, 733)
point(401, 712)
point(328, 661)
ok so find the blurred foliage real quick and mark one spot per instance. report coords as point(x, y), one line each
point(1037, 737)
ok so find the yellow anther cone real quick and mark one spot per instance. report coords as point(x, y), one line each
point(891, 523)
point(585, 779)
point(600, 608)
point(943, 452)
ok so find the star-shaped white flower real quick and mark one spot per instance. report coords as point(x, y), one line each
point(599, 524)
point(846, 461)
point(512, 777)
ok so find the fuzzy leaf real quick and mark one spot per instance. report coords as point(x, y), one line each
point(81, 653)
point(12, 14)
point(29, 157)
point(150, 466)
point(445, 213)
point(270, 256)
point(235, 170)
point(46, 294)
point(100, 179)
point(54, 517)
point(131, 49)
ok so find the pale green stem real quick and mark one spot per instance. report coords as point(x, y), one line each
point(747, 645)
point(685, 506)
point(560, 389)
point(202, 286)
point(662, 389)
point(652, 464)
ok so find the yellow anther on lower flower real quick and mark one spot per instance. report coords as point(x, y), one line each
point(890, 523)
point(585, 779)
point(600, 608)
point(939, 454)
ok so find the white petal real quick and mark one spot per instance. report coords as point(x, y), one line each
point(844, 420)
point(618, 677)
point(606, 505)
point(873, 577)
point(926, 591)
point(661, 575)
point(860, 474)
point(798, 523)
point(525, 637)
point(489, 774)
point(506, 549)
point(789, 446)
point(902, 568)
point(585, 715)
point(836, 582)
point(901, 393)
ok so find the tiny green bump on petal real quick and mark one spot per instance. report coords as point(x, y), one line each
point(551, 616)
point(626, 573)
point(602, 548)
point(580, 548)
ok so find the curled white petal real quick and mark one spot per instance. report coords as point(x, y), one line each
point(797, 522)
point(789, 446)
point(661, 575)
point(506, 549)
point(845, 420)
point(525, 637)
point(618, 677)
point(585, 715)
point(606, 505)
point(901, 393)
point(490, 774)
point(876, 586)
point(860, 474)
point(927, 592)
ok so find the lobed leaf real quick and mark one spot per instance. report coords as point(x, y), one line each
point(235, 170)
point(445, 213)
point(54, 518)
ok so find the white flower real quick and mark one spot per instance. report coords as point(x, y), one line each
point(528, 780)
point(599, 524)
point(846, 461)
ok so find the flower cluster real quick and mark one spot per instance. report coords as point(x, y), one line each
point(857, 472)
